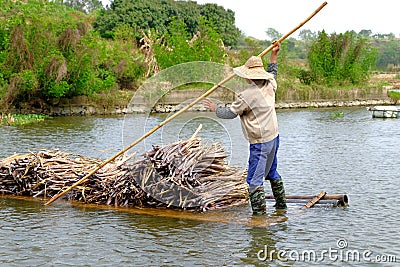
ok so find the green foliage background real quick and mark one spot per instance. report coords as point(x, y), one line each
point(61, 49)
point(143, 15)
point(51, 51)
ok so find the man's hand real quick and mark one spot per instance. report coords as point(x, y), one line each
point(275, 51)
point(277, 47)
point(210, 105)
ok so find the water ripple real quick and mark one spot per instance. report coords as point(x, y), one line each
point(355, 154)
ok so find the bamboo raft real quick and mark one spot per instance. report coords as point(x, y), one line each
point(184, 174)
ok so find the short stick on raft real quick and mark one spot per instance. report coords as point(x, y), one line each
point(313, 201)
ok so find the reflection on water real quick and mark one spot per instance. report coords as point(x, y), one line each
point(353, 154)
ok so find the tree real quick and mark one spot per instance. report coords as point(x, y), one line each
point(178, 46)
point(189, 13)
point(144, 15)
point(273, 34)
point(138, 15)
point(87, 6)
point(307, 35)
point(389, 53)
point(365, 33)
point(223, 22)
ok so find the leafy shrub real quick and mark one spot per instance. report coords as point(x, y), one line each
point(341, 58)
point(178, 47)
point(305, 76)
point(57, 89)
point(394, 95)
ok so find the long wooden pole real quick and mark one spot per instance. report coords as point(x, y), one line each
point(327, 197)
point(206, 94)
point(335, 200)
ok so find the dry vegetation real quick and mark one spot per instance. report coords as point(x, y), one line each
point(185, 174)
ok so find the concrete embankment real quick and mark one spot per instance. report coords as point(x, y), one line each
point(177, 99)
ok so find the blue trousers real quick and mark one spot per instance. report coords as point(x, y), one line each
point(263, 163)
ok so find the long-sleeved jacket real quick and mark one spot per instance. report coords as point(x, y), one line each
point(256, 108)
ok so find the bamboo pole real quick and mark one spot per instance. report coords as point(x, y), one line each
point(323, 202)
point(344, 198)
point(206, 94)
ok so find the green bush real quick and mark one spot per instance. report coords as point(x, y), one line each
point(28, 82)
point(178, 47)
point(394, 95)
point(341, 58)
point(57, 89)
point(50, 51)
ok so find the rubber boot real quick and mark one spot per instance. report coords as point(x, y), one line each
point(278, 191)
point(257, 200)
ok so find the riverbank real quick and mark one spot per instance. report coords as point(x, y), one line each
point(83, 107)
point(72, 107)
point(128, 102)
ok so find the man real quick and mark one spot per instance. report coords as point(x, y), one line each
point(256, 108)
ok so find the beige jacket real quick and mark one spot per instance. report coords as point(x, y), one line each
point(256, 108)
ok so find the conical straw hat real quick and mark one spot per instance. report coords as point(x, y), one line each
point(253, 69)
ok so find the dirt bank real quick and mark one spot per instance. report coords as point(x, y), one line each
point(126, 102)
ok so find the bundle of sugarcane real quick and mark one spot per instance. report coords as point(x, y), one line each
point(184, 174)
point(47, 172)
point(187, 174)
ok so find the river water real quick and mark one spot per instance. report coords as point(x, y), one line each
point(352, 154)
